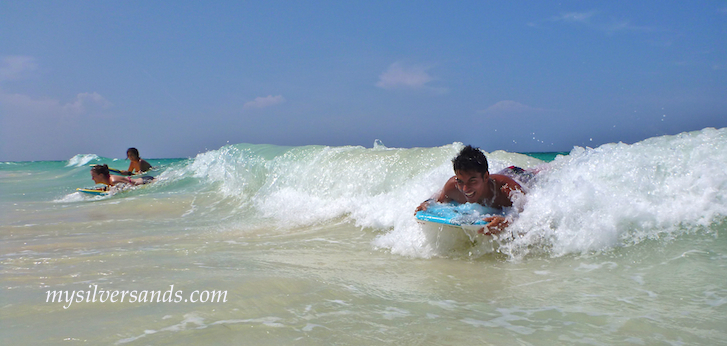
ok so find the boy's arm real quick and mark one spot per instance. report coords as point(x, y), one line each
point(443, 196)
point(498, 223)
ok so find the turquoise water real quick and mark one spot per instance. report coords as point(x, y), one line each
point(618, 244)
point(547, 157)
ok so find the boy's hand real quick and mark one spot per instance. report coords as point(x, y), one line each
point(496, 225)
point(422, 206)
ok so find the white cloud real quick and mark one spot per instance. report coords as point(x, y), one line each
point(576, 17)
point(509, 107)
point(593, 20)
point(262, 102)
point(16, 66)
point(87, 102)
point(399, 76)
point(24, 104)
point(46, 128)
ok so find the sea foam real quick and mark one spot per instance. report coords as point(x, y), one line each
point(81, 160)
point(593, 199)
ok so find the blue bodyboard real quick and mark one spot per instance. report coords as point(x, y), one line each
point(456, 214)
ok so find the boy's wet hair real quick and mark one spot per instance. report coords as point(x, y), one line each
point(471, 159)
point(101, 170)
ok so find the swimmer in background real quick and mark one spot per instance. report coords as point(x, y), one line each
point(100, 175)
point(473, 183)
point(137, 164)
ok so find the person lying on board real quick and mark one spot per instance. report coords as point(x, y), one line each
point(100, 175)
point(137, 163)
point(473, 183)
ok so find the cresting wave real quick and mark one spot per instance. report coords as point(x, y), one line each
point(593, 199)
point(81, 160)
point(621, 195)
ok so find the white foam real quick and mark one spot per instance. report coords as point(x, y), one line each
point(598, 199)
point(619, 194)
point(81, 160)
point(594, 199)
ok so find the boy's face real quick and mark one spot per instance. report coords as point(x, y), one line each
point(472, 184)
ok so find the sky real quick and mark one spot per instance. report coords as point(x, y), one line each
point(177, 78)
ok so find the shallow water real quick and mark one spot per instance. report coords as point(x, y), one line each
point(317, 245)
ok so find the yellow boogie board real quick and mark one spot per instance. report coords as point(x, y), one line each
point(110, 190)
point(95, 192)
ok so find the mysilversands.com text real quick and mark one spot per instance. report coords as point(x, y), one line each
point(95, 294)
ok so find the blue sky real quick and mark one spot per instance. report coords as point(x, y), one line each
point(175, 78)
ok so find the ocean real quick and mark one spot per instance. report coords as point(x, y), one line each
point(316, 245)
